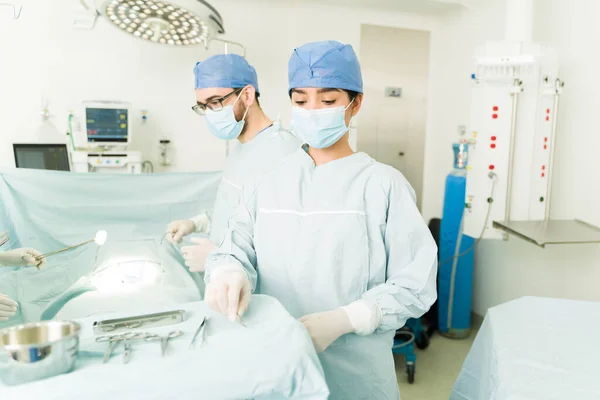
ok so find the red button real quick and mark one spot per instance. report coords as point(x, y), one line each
point(493, 138)
point(545, 147)
point(491, 167)
point(545, 139)
point(493, 146)
point(547, 111)
point(547, 118)
point(543, 174)
point(495, 116)
point(543, 167)
point(495, 108)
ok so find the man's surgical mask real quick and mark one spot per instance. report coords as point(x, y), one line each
point(223, 124)
point(320, 128)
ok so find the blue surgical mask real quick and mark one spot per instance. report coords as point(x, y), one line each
point(223, 124)
point(320, 128)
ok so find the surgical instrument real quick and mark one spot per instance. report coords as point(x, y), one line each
point(111, 346)
point(163, 238)
point(239, 321)
point(113, 340)
point(4, 238)
point(127, 353)
point(138, 321)
point(201, 329)
point(164, 340)
point(99, 239)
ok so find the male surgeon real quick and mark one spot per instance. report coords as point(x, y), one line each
point(227, 97)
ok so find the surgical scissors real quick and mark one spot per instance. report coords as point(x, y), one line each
point(164, 340)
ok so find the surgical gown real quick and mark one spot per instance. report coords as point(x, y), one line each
point(320, 237)
point(246, 161)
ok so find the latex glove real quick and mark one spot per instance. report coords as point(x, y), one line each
point(21, 257)
point(228, 291)
point(361, 317)
point(326, 327)
point(178, 229)
point(195, 256)
point(8, 307)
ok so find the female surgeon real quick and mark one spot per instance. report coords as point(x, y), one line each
point(17, 258)
point(334, 235)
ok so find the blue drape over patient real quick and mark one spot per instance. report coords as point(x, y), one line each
point(49, 210)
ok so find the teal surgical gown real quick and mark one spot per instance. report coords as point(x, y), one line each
point(320, 237)
point(245, 161)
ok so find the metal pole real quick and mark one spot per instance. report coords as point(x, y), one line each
point(511, 159)
point(228, 42)
point(558, 85)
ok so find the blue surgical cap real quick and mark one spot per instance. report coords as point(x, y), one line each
point(327, 64)
point(225, 71)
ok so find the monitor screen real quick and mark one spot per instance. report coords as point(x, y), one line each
point(42, 156)
point(107, 125)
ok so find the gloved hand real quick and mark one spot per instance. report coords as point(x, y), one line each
point(195, 256)
point(8, 307)
point(178, 229)
point(361, 317)
point(326, 327)
point(21, 257)
point(228, 291)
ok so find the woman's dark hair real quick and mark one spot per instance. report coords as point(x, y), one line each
point(351, 93)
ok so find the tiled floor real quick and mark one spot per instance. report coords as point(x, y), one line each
point(437, 368)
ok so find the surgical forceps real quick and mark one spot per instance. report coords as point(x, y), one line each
point(162, 239)
point(164, 340)
point(200, 331)
point(99, 239)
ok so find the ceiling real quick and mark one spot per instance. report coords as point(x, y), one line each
point(411, 6)
point(429, 7)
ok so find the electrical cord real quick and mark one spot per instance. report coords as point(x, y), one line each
point(410, 340)
point(490, 200)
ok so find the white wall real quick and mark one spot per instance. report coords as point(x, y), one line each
point(43, 56)
point(508, 270)
point(392, 57)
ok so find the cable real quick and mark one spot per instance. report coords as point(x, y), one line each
point(410, 340)
point(490, 200)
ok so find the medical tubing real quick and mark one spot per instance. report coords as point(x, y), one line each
point(454, 268)
point(460, 233)
point(456, 256)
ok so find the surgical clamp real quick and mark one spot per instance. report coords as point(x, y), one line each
point(164, 340)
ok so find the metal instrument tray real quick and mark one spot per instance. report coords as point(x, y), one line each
point(139, 321)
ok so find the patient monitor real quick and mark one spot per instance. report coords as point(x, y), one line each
point(103, 138)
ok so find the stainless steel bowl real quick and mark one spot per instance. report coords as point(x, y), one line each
point(38, 350)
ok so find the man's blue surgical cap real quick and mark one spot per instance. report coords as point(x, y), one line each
point(328, 64)
point(225, 71)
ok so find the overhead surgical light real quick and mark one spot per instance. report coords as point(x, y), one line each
point(172, 23)
point(175, 23)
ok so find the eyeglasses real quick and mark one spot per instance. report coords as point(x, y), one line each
point(214, 104)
